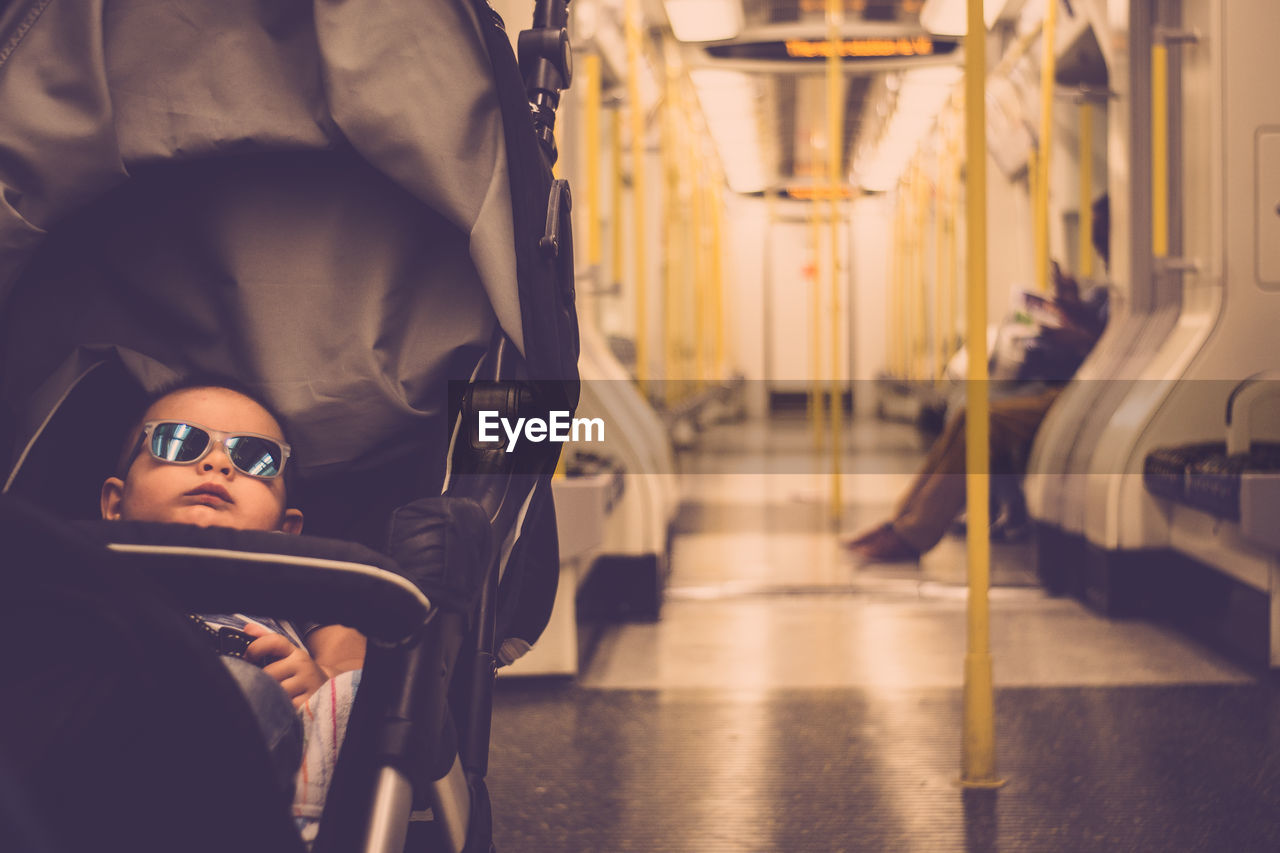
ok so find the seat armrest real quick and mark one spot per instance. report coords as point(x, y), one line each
point(1240, 403)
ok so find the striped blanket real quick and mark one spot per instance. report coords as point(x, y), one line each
point(324, 720)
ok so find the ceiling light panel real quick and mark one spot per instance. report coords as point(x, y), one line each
point(731, 103)
point(704, 20)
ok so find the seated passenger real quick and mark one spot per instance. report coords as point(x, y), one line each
point(1069, 326)
point(209, 454)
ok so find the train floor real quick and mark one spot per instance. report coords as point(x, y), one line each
point(791, 700)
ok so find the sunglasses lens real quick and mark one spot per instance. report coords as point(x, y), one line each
point(176, 442)
point(257, 457)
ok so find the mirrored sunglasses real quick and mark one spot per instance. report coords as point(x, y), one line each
point(185, 443)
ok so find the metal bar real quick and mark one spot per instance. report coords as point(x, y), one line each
point(817, 400)
point(1159, 150)
point(939, 344)
point(615, 219)
point(977, 760)
point(632, 17)
point(672, 367)
point(897, 318)
point(920, 350)
point(717, 272)
point(698, 263)
point(389, 816)
point(451, 806)
point(1047, 70)
point(1086, 188)
point(835, 142)
point(591, 132)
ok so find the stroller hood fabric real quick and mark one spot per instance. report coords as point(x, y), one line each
point(311, 195)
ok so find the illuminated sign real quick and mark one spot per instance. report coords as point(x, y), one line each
point(859, 7)
point(918, 46)
point(852, 50)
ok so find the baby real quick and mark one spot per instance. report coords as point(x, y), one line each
point(209, 454)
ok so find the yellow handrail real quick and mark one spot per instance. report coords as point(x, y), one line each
point(920, 321)
point(591, 134)
point(615, 218)
point(898, 326)
point(891, 299)
point(698, 267)
point(835, 142)
point(632, 17)
point(1160, 150)
point(939, 237)
point(717, 272)
point(1047, 71)
point(817, 396)
point(671, 266)
point(977, 759)
point(1086, 188)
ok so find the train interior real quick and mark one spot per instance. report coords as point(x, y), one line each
point(774, 248)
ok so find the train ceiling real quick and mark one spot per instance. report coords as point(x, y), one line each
point(781, 46)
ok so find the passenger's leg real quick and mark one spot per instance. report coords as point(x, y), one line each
point(886, 542)
point(939, 492)
point(946, 453)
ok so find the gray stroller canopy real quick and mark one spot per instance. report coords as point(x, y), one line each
point(313, 196)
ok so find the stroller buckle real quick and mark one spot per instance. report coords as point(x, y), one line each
point(550, 242)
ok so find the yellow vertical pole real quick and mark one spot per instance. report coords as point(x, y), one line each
point(939, 270)
point(699, 266)
point(943, 212)
point(978, 764)
point(717, 273)
point(671, 372)
point(904, 298)
point(954, 278)
point(835, 144)
point(1047, 71)
point(1085, 266)
point(615, 218)
point(899, 325)
point(1033, 190)
point(891, 300)
point(904, 303)
point(817, 399)
point(591, 134)
point(922, 272)
point(1160, 150)
point(914, 267)
point(632, 17)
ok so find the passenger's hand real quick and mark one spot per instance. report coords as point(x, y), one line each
point(293, 667)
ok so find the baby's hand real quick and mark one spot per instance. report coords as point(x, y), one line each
point(293, 667)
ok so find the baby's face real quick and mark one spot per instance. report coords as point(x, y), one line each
point(210, 492)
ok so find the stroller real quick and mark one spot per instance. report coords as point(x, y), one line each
point(348, 206)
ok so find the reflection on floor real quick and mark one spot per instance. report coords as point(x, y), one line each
point(790, 700)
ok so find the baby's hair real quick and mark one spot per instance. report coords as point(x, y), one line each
point(132, 443)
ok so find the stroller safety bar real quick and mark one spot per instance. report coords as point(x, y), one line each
point(221, 570)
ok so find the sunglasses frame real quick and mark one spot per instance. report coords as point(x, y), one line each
point(216, 436)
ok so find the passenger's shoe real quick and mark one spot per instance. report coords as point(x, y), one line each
point(886, 546)
point(866, 536)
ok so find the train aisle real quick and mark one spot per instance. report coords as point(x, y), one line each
point(789, 700)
